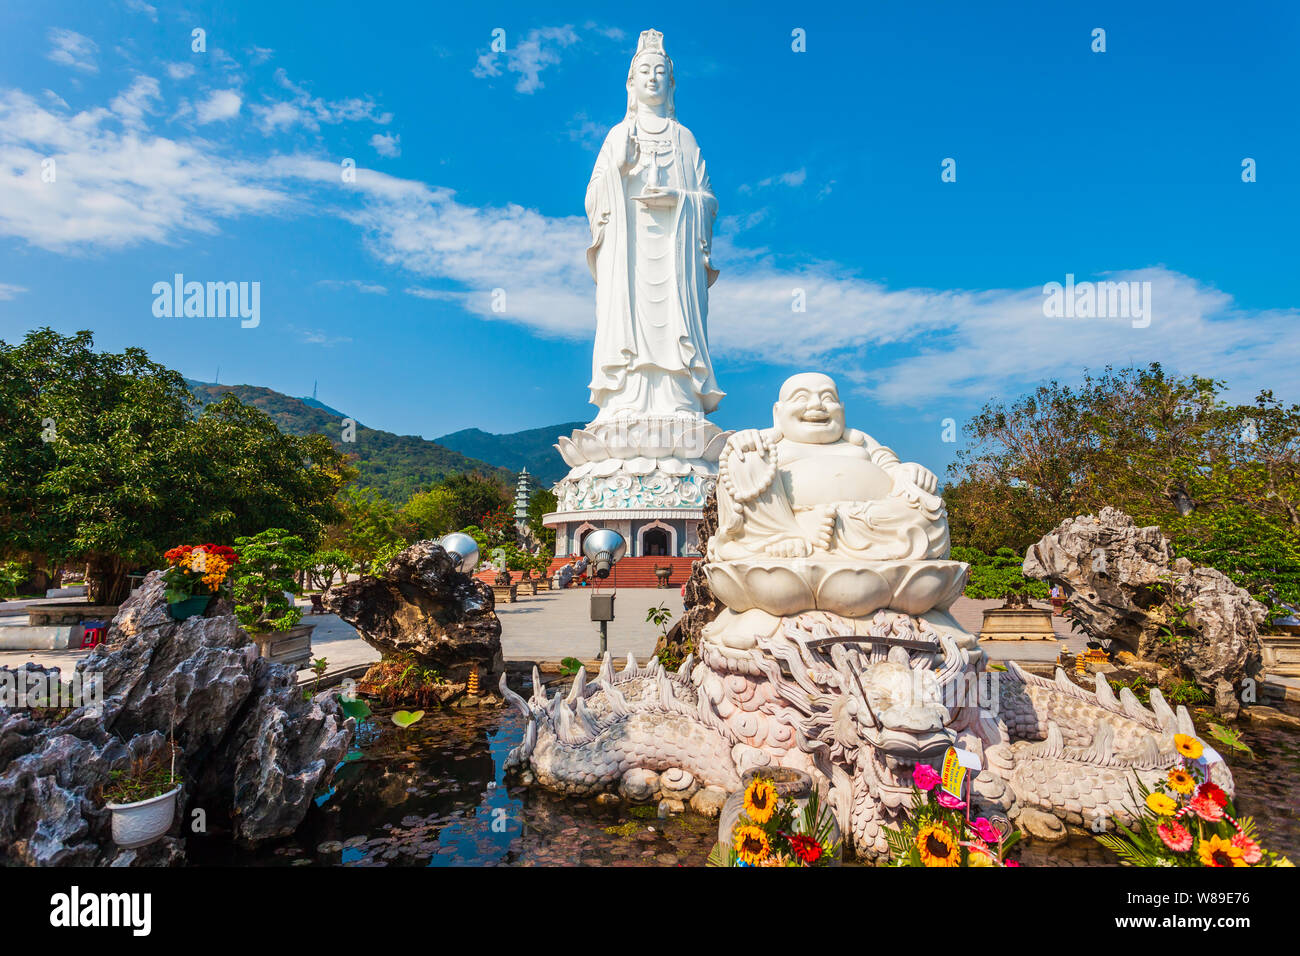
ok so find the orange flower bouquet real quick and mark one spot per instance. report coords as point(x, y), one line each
point(194, 575)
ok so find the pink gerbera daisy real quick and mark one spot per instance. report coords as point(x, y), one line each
point(1250, 850)
point(1204, 806)
point(1175, 836)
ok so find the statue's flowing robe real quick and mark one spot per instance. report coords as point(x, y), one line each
point(676, 353)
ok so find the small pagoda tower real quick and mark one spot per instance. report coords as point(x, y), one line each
point(523, 491)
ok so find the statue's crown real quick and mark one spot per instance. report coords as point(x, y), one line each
point(651, 41)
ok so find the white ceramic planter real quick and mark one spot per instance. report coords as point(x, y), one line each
point(140, 823)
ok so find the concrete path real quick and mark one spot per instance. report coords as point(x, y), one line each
point(553, 625)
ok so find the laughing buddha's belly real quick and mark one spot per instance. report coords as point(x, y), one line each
point(833, 477)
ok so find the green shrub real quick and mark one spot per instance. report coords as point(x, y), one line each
point(997, 575)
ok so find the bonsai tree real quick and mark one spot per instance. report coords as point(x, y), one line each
point(268, 566)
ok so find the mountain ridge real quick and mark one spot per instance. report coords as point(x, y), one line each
point(395, 465)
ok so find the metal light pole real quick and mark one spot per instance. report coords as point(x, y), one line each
point(603, 549)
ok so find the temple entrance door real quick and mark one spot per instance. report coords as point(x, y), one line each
point(655, 542)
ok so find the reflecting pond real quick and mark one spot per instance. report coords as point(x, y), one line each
point(434, 795)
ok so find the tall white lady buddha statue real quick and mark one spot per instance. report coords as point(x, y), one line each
point(651, 210)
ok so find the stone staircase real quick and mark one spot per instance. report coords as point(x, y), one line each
point(639, 572)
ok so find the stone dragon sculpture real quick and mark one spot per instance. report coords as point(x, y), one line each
point(857, 712)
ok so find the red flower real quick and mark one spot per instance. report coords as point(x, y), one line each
point(805, 847)
point(1175, 836)
point(1250, 850)
point(1205, 807)
point(1208, 789)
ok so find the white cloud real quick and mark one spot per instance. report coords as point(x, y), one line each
point(387, 144)
point(139, 6)
point(180, 71)
point(115, 186)
point(369, 288)
point(439, 295)
point(69, 48)
point(794, 179)
point(136, 101)
point(538, 50)
point(318, 337)
point(9, 290)
point(220, 105)
point(303, 109)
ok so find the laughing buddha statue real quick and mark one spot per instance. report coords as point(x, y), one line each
point(811, 488)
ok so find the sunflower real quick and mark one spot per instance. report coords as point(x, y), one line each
point(1189, 747)
point(938, 846)
point(751, 845)
point(1161, 804)
point(1181, 781)
point(760, 800)
point(1216, 851)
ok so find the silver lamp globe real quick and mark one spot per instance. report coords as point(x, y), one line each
point(603, 548)
point(462, 549)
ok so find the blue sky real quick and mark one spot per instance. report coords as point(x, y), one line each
point(923, 297)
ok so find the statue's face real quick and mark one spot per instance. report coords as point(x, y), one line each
point(650, 79)
point(808, 409)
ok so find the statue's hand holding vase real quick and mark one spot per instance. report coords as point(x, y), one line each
point(659, 196)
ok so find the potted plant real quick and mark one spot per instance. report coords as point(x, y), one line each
point(195, 574)
point(264, 584)
point(143, 798)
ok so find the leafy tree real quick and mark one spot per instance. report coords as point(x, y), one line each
point(541, 503)
point(258, 477)
point(433, 513)
point(499, 526)
point(1222, 481)
point(102, 460)
point(468, 499)
point(326, 565)
point(370, 524)
point(473, 496)
point(93, 465)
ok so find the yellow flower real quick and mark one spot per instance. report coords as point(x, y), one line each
point(1161, 804)
point(980, 858)
point(1189, 747)
point(1181, 781)
point(751, 844)
point(938, 846)
point(1216, 851)
point(760, 800)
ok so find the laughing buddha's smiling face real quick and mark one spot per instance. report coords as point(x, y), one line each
point(808, 410)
